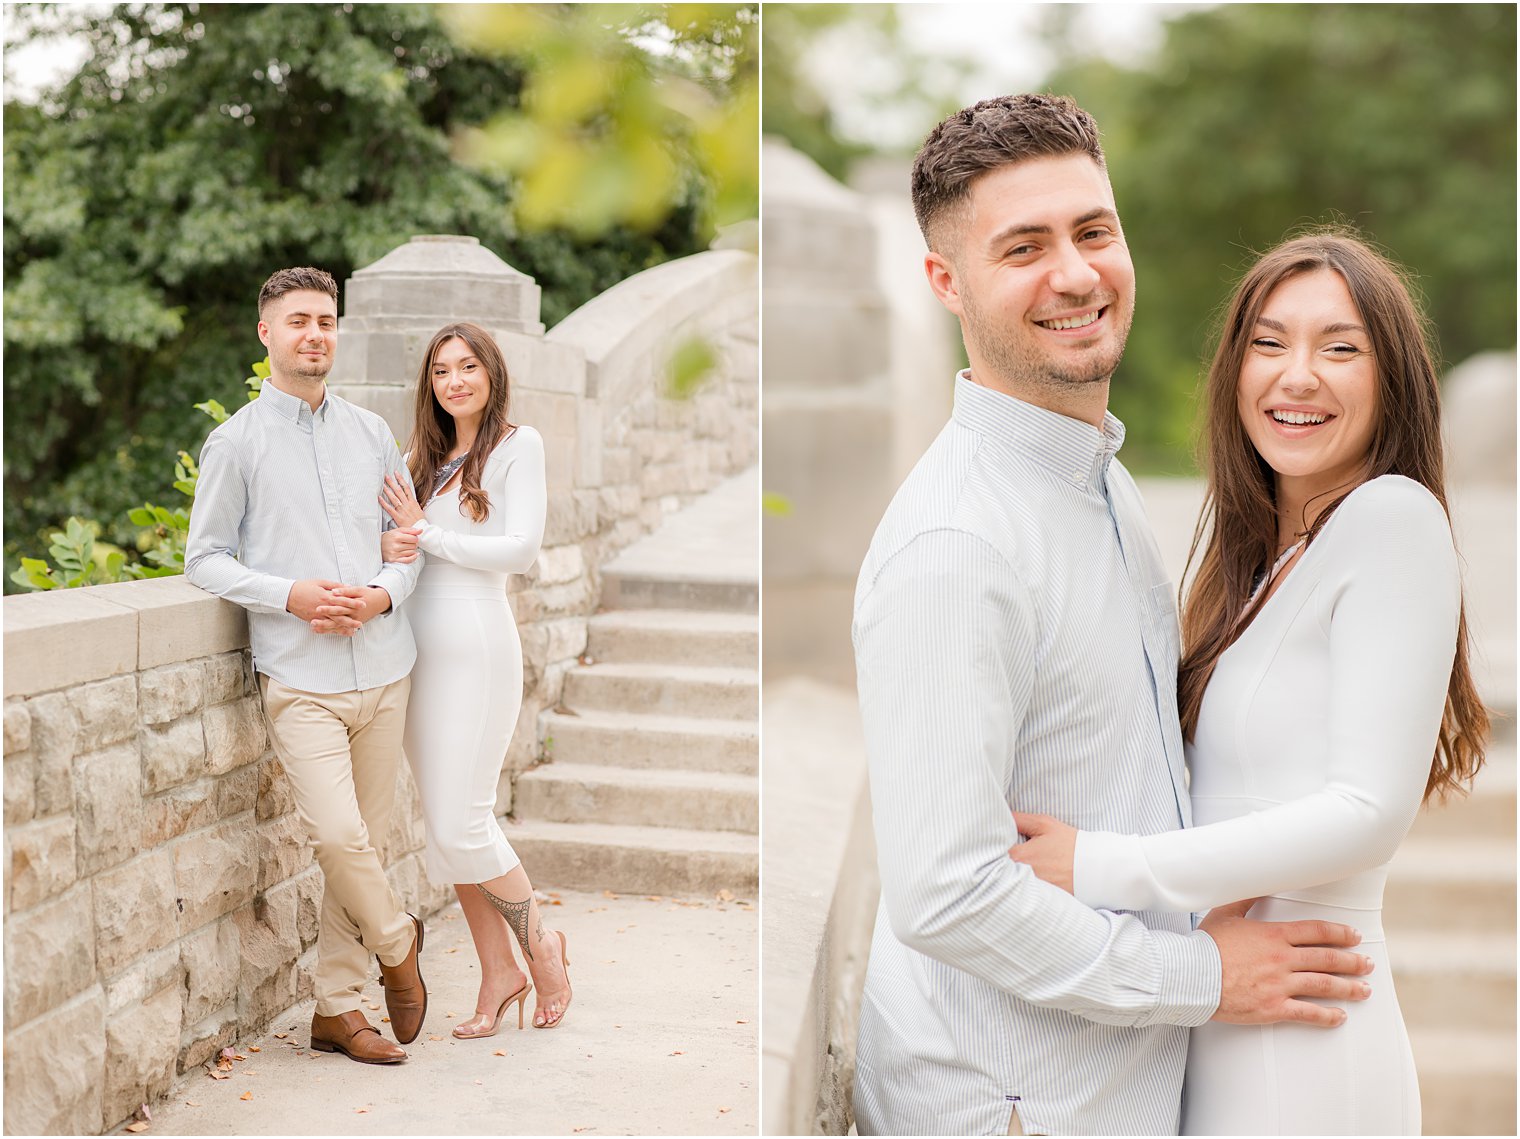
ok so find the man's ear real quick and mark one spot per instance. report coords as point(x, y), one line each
point(263, 334)
point(941, 274)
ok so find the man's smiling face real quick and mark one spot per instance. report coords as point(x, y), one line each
point(1040, 274)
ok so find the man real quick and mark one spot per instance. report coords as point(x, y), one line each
point(287, 524)
point(1016, 646)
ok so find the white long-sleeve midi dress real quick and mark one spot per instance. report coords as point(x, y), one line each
point(467, 683)
point(1312, 750)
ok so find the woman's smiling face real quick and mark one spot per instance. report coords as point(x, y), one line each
point(1308, 391)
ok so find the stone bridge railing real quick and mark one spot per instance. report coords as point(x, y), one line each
point(159, 899)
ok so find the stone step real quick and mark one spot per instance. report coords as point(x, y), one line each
point(678, 636)
point(631, 739)
point(645, 797)
point(643, 860)
point(1453, 884)
point(1455, 981)
point(633, 589)
point(678, 690)
point(1488, 812)
point(1467, 1081)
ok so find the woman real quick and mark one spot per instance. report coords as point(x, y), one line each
point(482, 482)
point(1325, 662)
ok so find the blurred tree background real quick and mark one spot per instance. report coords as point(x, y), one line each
point(199, 147)
point(1249, 121)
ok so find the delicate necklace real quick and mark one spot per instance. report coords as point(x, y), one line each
point(445, 473)
point(1267, 578)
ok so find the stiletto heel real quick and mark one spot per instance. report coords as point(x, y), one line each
point(521, 997)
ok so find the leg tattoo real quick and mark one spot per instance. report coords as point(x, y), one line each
point(516, 914)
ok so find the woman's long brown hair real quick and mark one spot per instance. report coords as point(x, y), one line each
point(433, 435)
point(1241, 499)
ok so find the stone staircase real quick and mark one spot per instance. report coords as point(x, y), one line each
point(1450, 917)
point(651, 780)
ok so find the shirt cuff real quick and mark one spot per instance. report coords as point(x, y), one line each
point(274, 594)
point(1191, 978)
point(1102, 866)
point(394, 584)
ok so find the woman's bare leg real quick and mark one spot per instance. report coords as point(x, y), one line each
point(512, 896)
point(499, 973)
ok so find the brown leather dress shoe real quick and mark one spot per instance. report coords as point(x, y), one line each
point(351, 1034)
point(405, 992)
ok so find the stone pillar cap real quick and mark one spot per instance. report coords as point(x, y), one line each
point(437, 254)
point(435, 279)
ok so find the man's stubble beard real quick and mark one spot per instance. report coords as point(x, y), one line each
point(1017, 360)
point(297, 371)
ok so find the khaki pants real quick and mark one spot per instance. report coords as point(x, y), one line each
point(342, 753)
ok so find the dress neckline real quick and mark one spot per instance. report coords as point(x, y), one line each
point(455, 483)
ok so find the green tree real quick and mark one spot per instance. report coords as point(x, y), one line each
point(198, 148)
point(1258, 118)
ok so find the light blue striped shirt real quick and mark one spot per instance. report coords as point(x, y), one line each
point(286, 493)
point(1016, 647)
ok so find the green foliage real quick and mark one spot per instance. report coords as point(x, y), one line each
point(1258, 119)
point(608, 132)
point(162, 537)
point(201, 147)
point(692, 361)
point(73, 548)
point(797, 42)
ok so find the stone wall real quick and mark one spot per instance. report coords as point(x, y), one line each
point(160, 901)
point(859, 365)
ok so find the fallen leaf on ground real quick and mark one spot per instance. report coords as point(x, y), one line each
point(745, 906)
point(140, 1125)
point(281, 1035)
point(373, 1007)
point(609, 894)
point(499, 1052)
point(554, 902)
point(678, 1052)
point(434, 1036)
point(191, 1103)
point(453, 950)
point(617, 1026)
point(479, 1082)
point(724, 1110)
point(361, 1111)
point(725, 895)
point(741, 1022)
point(254, 1048)
point(246, 1095)
point(597, 910)
point(653, 898)
point(385, 1020)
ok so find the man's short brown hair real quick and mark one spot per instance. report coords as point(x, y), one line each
point(290, 280)
point(989, 135)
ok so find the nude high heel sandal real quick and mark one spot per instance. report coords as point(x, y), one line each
point(465, 1031)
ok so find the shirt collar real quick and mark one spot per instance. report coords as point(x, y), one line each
point(1074, 451)
point(292, 407)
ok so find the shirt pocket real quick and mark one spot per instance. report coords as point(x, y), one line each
point(362, 482)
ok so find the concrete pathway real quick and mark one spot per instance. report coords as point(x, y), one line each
point(660, 1040)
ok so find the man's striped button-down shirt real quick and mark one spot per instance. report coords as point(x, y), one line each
point(1016, 648)
point(286, 493)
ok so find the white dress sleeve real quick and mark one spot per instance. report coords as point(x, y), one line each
point(1391, 599)
point(515, 480)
